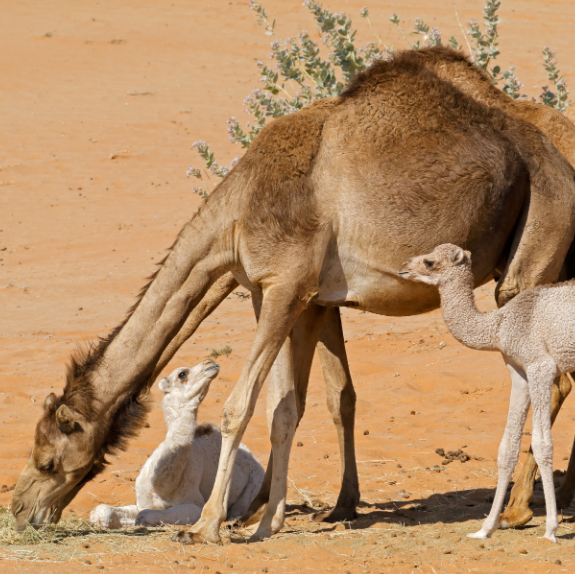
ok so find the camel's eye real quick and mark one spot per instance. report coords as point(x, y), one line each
point(182, 375)
point(428, 263)
point(48, 467)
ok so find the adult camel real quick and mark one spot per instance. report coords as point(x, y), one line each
point(455, 68)
point(319, 212)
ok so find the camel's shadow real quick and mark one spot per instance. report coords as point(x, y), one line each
point(438, 508)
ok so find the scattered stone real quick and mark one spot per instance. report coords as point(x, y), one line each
point(523, 551)
point(365, 432)
point(88, 562)
point(300, 444)
point(464, 391)
point(100, 567)
point(85, 545)
point(340, 527)
point(326, 456)
point(399, 466)
point(558, 562)
point(448, 551)
point(264, 569)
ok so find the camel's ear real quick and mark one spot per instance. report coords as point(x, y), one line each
point(65, 419)
point(165, 386)
point(458, 256)
point(50, 402)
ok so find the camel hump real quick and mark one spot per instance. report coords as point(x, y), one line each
point(278, 167)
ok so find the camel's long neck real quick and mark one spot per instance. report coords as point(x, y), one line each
point(181, 428)
point(469, 326)
point(169, 460)
point(202, 252)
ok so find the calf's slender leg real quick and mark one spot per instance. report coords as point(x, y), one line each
point(509, 447)
point(518, 512)
point(540, 378)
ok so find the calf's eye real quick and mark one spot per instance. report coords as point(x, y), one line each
point(182, 375)
point(428, 263)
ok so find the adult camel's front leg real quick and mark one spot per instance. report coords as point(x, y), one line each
point(287, 390)
point(280, 308)
point(341, 399)
point(518, 512)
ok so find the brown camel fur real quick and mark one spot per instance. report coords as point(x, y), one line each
point(453, 67)
point(321, 209)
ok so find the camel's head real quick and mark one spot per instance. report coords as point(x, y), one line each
point(63, 459)
point(186, 388)
point(436, 267)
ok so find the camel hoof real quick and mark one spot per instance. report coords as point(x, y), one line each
point(335, 515)
point(480, 535)
point(513, 518)
point(184, 537)
point(251, 519)
point(550, 537)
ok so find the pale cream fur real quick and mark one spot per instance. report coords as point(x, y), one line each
point(535, 333)
point(177, 479)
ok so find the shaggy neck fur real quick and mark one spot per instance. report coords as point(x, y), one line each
point(469, 326)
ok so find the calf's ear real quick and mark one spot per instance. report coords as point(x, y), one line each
point(458, 256)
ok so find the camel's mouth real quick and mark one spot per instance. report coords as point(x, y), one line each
point(214, 367)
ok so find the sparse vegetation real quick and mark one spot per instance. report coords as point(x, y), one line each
point(302, 74)
point(223, 351)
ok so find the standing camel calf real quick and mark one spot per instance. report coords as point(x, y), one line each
point(535, 333)
point(178, 478)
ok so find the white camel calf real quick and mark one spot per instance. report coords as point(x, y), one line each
point(535, 332)
point(178, 478)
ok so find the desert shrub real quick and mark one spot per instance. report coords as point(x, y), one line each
point(301, 73)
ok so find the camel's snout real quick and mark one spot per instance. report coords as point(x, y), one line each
point(210, 366)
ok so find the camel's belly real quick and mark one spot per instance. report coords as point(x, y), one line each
point(376, 290)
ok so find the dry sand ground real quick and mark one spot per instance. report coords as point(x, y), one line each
point(100, 105)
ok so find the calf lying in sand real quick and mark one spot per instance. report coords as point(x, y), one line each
point(535, 333)
point(178, 478)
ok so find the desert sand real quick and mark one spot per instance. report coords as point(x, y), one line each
point(101, 102)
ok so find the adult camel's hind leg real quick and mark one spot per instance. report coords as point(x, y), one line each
point(518, 512)
point(341, 401)
point(281, 306)
point(566, 491)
